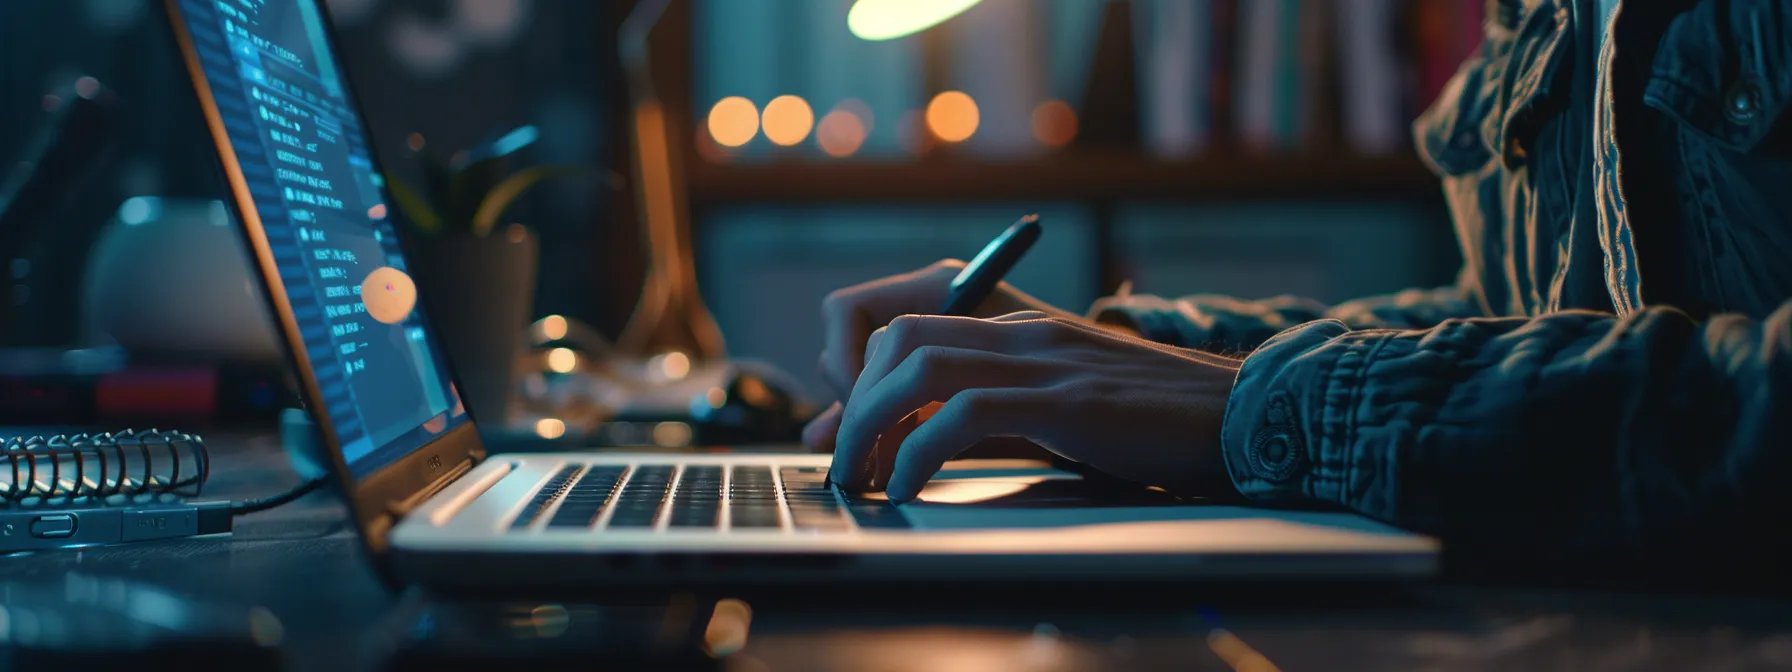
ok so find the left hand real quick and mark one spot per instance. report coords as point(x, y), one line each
point(1135, 409)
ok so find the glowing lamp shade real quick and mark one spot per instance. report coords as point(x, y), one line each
point(890, 19)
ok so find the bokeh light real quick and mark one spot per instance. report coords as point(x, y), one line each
point(562, 360)
point(672, 365)
point(1054, 123)
point(952, 116)
point(550, 428)
point(859, 109)
point(553, 327)
point(733, 121)
point(841, 133)
point(788, 119)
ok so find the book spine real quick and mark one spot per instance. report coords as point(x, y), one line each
point(1372, 115)
point(1258, 76)
point(1173, 73)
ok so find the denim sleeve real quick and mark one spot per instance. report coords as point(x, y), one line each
point(1571, 433)
point(1225, 324)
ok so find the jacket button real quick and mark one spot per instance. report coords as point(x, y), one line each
point(1743, 102)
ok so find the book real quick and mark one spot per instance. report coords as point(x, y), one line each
point(1174, 68)
point(1373, 115)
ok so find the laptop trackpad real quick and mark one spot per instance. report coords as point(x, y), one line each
point(970, 494)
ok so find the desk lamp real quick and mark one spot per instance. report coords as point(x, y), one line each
point(876, 20)
point(670, 318)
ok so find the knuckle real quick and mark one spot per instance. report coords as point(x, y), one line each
point(903, 330)
point(929, 358)
point(837, 303)
point(976, 403)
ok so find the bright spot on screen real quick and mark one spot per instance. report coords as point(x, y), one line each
point(733, 121)
point(890, 19)
point(550, 428)
point(562, 360)
point(952, 116)
point(787, 120)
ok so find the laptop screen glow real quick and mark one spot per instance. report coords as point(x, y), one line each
point(275, 80)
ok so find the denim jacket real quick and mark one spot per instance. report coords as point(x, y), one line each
point(1611, 373)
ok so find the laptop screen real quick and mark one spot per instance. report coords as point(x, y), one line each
point(278, 87)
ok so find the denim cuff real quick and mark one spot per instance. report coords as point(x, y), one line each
point(1290, 400)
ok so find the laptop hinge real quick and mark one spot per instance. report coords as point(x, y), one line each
point(402, 508)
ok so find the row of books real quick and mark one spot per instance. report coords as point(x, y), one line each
point(1270, 75)
point(1283, 75)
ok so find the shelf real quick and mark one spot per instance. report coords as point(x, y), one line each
point(1065, 178)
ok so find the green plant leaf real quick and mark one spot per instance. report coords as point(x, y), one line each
point(414, 206)
point(502, 196)
point(436, 189)
point(468, 187)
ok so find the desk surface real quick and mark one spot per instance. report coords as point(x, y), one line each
point(301, 563)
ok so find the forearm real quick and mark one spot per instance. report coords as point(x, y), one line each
point(1574, 432)
point(1225, 324)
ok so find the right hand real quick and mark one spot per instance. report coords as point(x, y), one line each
point(850, 315)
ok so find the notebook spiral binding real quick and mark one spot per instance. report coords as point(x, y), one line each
point(112, 467)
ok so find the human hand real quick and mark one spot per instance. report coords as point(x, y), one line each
point(850, 315)
point(1134, 409)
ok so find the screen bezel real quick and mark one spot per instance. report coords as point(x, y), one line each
point(377, 499)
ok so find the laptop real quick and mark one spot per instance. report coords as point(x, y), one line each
point(433, 508)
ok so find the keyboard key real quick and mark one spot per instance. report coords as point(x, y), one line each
point(638, 504)
point(549, 492)
point(584, 502)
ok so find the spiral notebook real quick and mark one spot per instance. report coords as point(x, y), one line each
point(85, 489)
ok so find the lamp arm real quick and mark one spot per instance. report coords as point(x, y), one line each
point(631, 46)
point(671, 315)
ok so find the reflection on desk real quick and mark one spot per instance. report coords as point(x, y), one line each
point(302, 566)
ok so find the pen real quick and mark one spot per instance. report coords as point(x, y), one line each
point(980, 277)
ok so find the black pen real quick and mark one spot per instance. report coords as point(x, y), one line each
point(980, 278)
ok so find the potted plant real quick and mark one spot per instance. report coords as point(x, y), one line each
point(479, 275)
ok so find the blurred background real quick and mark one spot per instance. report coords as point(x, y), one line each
point(1242, 147)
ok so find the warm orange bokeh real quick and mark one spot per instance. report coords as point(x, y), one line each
point(952, 116)
point(841, 133)
point(787, 120)
point(1054, 123)
point(733, 121)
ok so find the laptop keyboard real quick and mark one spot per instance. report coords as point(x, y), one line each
point(654, 497)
